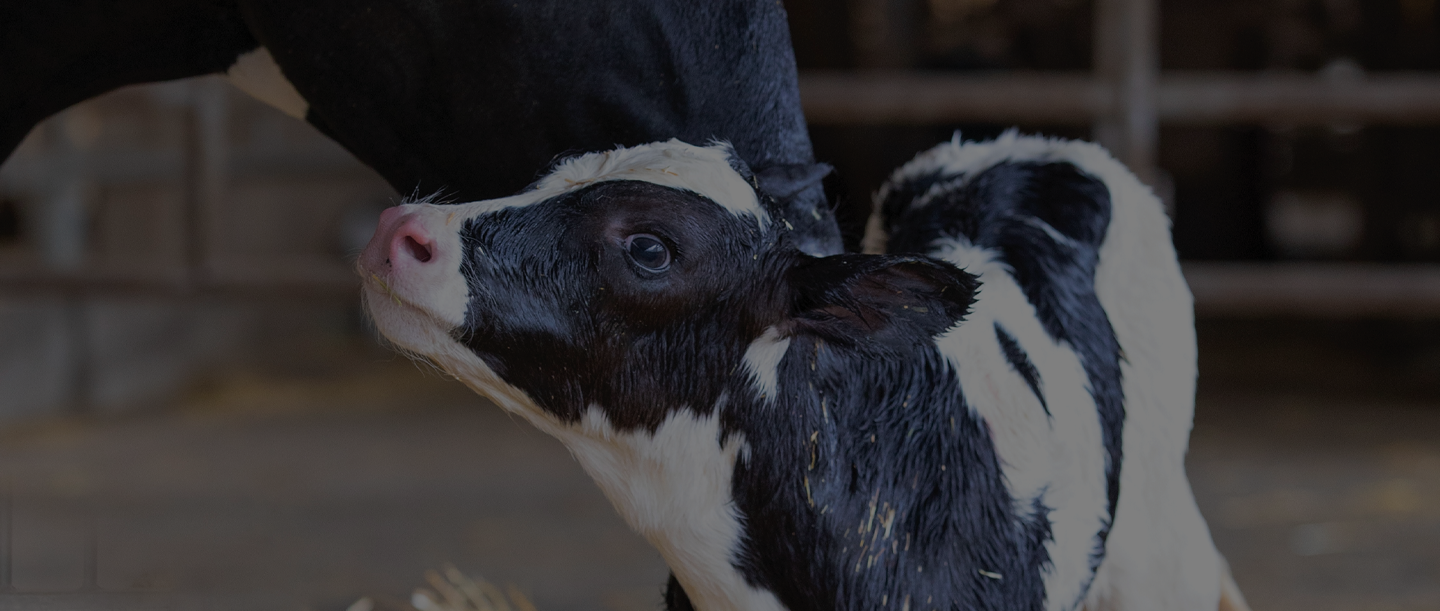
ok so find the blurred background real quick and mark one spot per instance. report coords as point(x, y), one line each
point(195, 413)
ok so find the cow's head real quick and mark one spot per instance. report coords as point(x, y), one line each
point(624, 303)
point(634, 281)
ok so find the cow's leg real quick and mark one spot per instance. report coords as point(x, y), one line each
point(57, 53)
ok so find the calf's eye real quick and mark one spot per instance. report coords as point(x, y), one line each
point(648, 252)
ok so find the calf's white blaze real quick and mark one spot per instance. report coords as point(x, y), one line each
point(1058, 459)
point(257, 74)
point(703, 170)
point(762, 359)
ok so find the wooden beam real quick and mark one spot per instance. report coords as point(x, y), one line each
point(288, 277)
point(1317, 290)
point(1217, 98)
point(87, 601)
point(908, 98)
point(1243, 290)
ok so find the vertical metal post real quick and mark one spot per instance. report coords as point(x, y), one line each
point(7, 539)
point(209, 172)
point(883, 32)
point(63, 226)
point(82, 375)
point(90, 577)
point(1127, 57)
point(72, 135)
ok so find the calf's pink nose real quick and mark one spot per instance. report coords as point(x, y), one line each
point(400, 240)
point(411, 240)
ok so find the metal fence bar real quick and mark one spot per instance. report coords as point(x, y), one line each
point(1322, 290)
point(7, 539)
point(81, 375)
point(210, 172)
point(298, 288)
point(90, 570)
point(1127, 61)
point(1201, 98)
point(1221, 98)
point(87, 601)
point(901, 98)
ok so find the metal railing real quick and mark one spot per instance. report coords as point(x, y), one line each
point(206, 167)
point(1125, 100)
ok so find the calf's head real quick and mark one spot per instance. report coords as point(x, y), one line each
point(630, 303)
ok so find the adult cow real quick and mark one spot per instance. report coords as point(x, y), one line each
point(464, 97)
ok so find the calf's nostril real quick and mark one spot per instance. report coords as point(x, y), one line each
point(421, 252)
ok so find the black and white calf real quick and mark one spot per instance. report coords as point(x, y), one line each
point(992, 416)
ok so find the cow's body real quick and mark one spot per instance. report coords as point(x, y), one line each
point(845, 432)
point(468, 99)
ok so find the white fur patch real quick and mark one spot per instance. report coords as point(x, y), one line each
point(673, 488)
point(1160, 555)
point(704, 170)
point(1059, 458)
point(257, 74)
point(762, 358)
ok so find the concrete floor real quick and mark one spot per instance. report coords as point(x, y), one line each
point(271, 491)
point(1323, 504)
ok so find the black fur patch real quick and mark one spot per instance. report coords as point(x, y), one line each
point(1047, 222)
point(558, 310)
point(675, 597)
point(1020, 362)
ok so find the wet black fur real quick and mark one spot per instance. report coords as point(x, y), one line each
point(1020, 362)
point(997, 209)
point(871, 481)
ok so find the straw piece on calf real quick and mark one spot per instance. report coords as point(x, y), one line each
point(991, 415)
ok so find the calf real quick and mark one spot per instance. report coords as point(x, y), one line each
point(946, 426)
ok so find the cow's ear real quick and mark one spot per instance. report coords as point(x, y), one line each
point(878, 298)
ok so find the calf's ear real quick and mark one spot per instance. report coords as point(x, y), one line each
point(878, 298)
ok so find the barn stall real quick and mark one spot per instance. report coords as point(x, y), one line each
point(196, 410)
